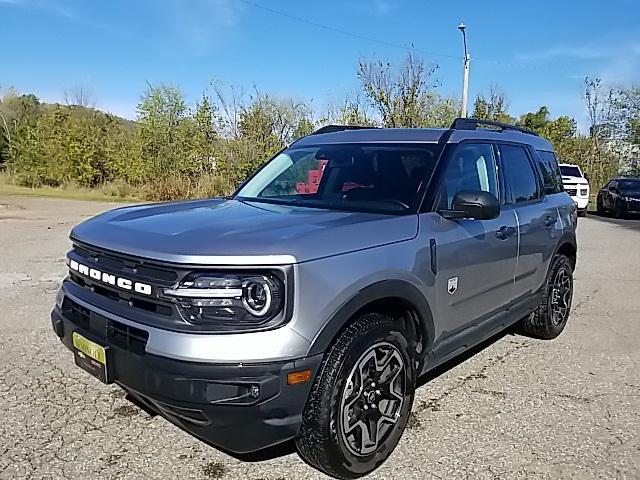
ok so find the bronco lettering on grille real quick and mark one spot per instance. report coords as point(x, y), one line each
point(110, 279)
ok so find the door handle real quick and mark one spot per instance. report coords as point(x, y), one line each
point(505, 232)
point(550, 220)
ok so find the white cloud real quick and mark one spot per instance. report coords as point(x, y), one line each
point(200, 23)
point(560, 52)
point(44, 5)
point(384, 7)
point(623, 66)
point(615, 61)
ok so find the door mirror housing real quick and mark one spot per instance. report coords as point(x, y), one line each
point(475, 205)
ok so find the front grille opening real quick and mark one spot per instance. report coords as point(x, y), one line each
point(105, 292)
point(118, 334)
point(151, 307)
point(77, 279)
point(124, 298)
point(126, 337)
point(126, 266)
point(78, 314)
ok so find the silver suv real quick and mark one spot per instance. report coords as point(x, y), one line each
point(306, 305)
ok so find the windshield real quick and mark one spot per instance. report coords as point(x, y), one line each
point(629, 185)
point(382, 178)
point(569, 171)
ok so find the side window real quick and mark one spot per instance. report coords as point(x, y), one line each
point(519, 176)
point(612, 185)
point(551, 176)
point(472, 167)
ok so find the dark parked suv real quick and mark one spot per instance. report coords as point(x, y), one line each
point(621, 196)
point(306, 305)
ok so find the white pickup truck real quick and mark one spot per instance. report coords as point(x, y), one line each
point(576, 185)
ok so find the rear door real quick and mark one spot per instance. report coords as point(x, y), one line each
point(476, 259)
point(536, 215)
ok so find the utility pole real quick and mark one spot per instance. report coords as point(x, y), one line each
point(465, 79)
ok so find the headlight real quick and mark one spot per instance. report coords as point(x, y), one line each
point(584, 192)
point(230, 301)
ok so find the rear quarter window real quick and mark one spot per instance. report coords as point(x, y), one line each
point(551, 176)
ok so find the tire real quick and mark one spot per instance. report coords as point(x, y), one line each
point(600, 208)
point(550, 318)
point(332, 438)
point(583, 212)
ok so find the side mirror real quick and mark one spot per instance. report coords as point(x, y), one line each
point(476, 205)
point(586, 176)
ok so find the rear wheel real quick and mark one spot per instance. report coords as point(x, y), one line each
point(361, 399)
point(551, 316)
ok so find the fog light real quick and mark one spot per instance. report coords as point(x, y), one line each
point(254, 391)
point(59, 298)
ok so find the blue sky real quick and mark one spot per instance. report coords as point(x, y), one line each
point(538, 52)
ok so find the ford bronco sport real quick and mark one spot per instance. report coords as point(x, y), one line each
point(306, 305)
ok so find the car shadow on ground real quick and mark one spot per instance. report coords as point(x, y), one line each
point(630, 221)
point(289, 447)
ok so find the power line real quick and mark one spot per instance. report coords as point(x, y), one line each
point(346, 32)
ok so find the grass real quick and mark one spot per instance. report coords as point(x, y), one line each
point(169, 188)
point(105, 193)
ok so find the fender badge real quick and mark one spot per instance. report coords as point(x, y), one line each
point(452, 286)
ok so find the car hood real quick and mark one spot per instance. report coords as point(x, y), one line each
point(575, 180)
point(231, 232)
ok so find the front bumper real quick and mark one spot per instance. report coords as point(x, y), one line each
point(632, 205)
point(211, 401)
point(581, 202)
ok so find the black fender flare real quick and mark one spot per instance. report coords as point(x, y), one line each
point(385, 289)
point(567, 238)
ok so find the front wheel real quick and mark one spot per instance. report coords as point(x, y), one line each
point(600, 207)
point(361, 399)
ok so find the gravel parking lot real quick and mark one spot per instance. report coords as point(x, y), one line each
point(518, 408)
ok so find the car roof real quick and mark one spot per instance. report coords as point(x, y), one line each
point(421, 135)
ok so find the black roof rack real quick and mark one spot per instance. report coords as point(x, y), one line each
point(339, 128)
point(473, 123)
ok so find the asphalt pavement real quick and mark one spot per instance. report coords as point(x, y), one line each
point(514, 408)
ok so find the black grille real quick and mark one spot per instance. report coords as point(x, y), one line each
point(127, 267)
point(571, 191)
point(124, 298)
point(116, 333)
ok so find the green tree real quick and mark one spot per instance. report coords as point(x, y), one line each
point(492, 106)
point(16, 112)
point(559, 130)
point(403, 98)
point(163, 133)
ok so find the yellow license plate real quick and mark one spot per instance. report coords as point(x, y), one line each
point(89, 348)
